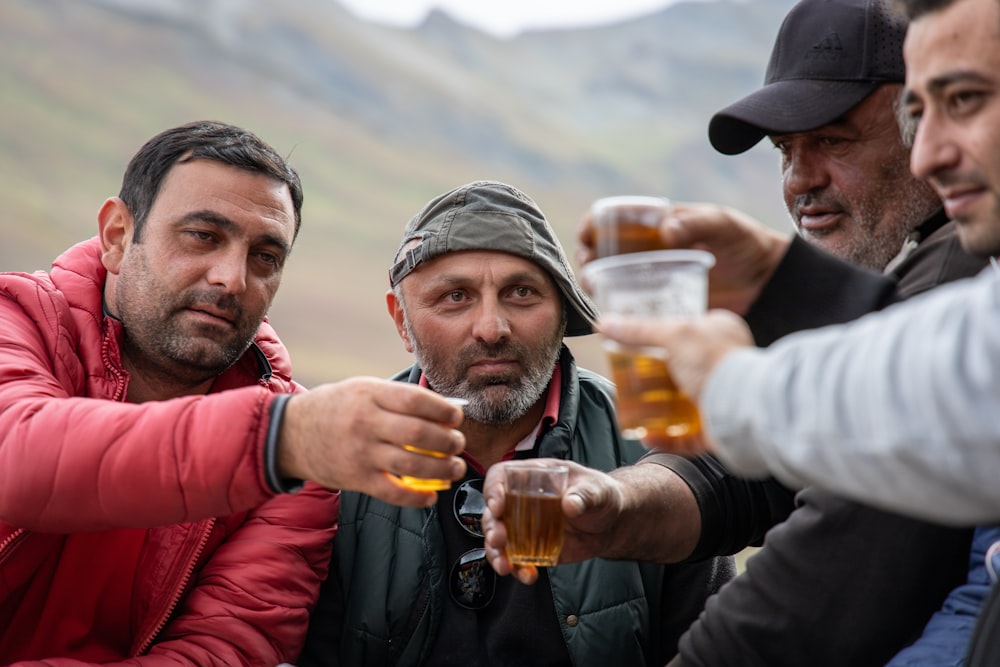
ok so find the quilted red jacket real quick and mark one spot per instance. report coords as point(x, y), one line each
point(229, 571)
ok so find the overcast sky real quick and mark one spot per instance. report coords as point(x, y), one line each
point(506, 17)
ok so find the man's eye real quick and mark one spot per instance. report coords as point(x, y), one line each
point(270, 259)
point(199, 235)
point(455, 297)
point(911, 114)
point(965, 101)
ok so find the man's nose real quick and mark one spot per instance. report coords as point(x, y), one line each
point(803, 172)
point(229, 270)
point(933, 150)
point(492, 324)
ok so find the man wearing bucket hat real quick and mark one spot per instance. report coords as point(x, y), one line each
point(828, 105)
point(482, 294)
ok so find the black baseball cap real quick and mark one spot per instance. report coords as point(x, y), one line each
point(489, 215)
point(828, 57)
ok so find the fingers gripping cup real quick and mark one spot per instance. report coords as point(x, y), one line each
point(628, 224)
point(420, 483)
point(533, 513)
point(658, 284)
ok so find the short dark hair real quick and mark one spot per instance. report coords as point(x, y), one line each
point(201, 140)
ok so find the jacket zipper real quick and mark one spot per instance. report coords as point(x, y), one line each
point(148, 641)
point(7, 546)
point(121, 376)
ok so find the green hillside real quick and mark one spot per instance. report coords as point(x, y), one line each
point(377, 120)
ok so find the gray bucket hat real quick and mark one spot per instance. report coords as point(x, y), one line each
point(488, 215)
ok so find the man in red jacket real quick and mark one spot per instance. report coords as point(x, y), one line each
point(153, 445)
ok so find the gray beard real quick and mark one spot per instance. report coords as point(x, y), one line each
point(498, 401)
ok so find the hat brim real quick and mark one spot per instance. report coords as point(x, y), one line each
point(784, 107)
point(581, 313)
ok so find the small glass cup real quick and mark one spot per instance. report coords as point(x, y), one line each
point(429, 484)
point(533, 512)
point(658, 284)
point(626, 224)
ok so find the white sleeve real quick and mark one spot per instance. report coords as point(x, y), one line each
point(899, 409)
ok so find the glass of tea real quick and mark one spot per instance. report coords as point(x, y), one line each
point(533, 512)
point(627, 224)
point(420, 483)
point(655, 284)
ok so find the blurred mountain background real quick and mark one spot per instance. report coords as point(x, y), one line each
point(377, 120)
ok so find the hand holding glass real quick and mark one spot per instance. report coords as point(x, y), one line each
point(419, 483)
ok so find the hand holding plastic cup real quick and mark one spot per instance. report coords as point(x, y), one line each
point(628, 224)
point(420, 483)
point(659, 284)
point(533, 512)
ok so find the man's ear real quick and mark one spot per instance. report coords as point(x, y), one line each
point(395, 307)
point(115, 228)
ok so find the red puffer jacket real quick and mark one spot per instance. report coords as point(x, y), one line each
point(228, 571)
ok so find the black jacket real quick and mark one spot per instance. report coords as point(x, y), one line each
point(837, 583)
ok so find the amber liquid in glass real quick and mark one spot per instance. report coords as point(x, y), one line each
point(649, 403)
point(625, 236)
point(420, 483)
point(534, 528)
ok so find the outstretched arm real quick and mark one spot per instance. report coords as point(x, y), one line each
point(908, 395)
point(607, 515)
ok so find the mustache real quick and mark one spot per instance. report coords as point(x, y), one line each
point(814, 200)
point(502, 350)
point(227, 303)
point(823, 201)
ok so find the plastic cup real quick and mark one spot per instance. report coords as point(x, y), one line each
point(660, 284)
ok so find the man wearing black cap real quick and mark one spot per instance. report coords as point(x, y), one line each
point(827, 104)
point(839, 582)
point(482, 296)
point(836, 583)
point(953, 60)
